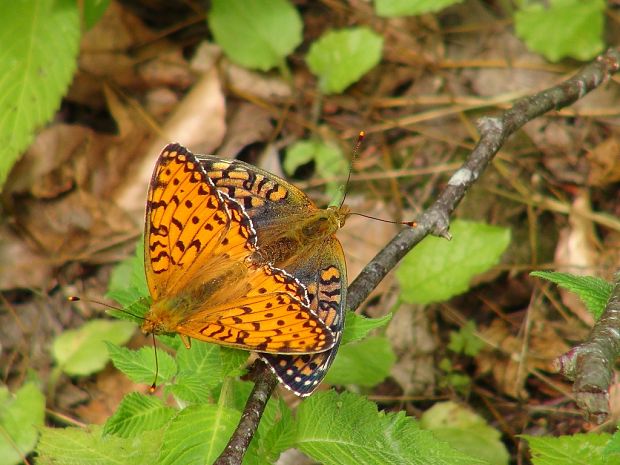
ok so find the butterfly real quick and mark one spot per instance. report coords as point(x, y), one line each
point(204, 281)
point(294, 235)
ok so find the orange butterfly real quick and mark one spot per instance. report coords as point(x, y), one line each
point(298, 237)
point(203, 273)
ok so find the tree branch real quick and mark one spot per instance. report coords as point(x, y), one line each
point(590, 364)
point(435, 220)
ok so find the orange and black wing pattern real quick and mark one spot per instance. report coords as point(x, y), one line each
point(203, 284)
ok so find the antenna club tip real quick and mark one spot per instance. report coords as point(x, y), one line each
point(411, 224)
point(361, 135)
point(152, 388)
point(73, 298)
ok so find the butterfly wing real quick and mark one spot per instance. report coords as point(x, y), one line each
point(272, 202)
point(197, 249)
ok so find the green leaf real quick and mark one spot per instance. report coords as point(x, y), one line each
point(364, 363)
point(138, 413)
point(21, 415)
point(328, 159)
point(465, 340)
point(139, 365)
point(438, 269)
point(81, 351)
point(93, 11)
point(612, 449)
point(578, 449)
point(190, 388)
point(198, 435)
point(356, 326)
point(347, 429)
point(256, 34)
point(40, 41)
point(128, 280)
point(73, 446)
point(392, 8)
point(568, 28)
point(594, 292)
point(233, 361)
point(340, 58)
point(465, 431)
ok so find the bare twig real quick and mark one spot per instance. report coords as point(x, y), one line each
point(590, 364)
point(494, 131)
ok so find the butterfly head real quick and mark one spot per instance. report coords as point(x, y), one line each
point(325, 222)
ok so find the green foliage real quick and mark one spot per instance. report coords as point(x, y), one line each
point(365, 363)
point(578, 449)
point(340, 58)
point(80, 352)
point(357, 327)
point(139, 365)
point(392, 8)
point(594, 292)
point(465, 431)
point(92, 11)
point(437, 269)
point(257, 34)
point(21, 415)
point(138, 413)
point(612, 449)
point(38, 57)
point(328, 159)
point(454, 379)
point(466, 341)
point(198, 434)
point(72, 446)
point(567, 28)
point(347, 429)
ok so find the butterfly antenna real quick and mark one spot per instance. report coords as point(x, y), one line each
point(354, 155)
point(74, 298)
point(411, 224)
point(154, 384)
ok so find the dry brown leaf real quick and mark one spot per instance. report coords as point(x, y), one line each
point(604, 162)
point(503, 357)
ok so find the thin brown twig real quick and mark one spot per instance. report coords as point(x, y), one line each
point(435, 220)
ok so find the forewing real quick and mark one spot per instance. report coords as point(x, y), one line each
point(189, 224)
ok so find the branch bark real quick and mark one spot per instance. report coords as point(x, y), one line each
point(436, 219)
point(590, 364)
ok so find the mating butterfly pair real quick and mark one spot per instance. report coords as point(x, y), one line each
point(238, 256)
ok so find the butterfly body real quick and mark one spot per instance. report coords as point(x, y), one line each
point(203, 281)
point(294, 235)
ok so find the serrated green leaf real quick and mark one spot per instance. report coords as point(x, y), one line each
point(257, 34)
point(347, 429)
point(139, 365)
point(202, 360)
point(438, 269)
point(38, 57)
point(80, 352)
point(465, 431)
point(190, 388)
point(364, 363)
point(198, 435)
point(395, 8)
point(328, 159)
point(85, 446)
point(465, 340)
point(21, 415)
point(594, 292)
point(568, 28)
point(340, 58)
point(578, 449)
point(233, 361)
point(93, 11)
point(138, 413)
point(357, 327)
